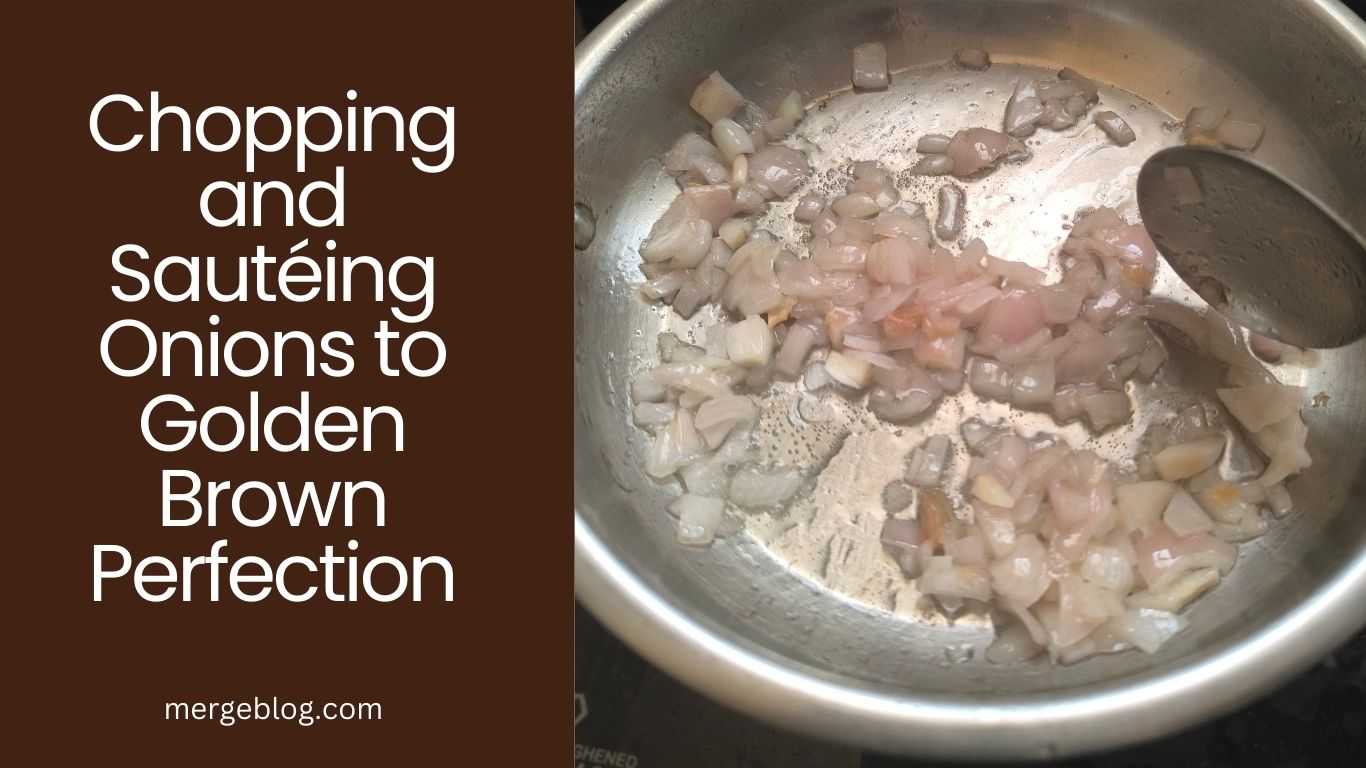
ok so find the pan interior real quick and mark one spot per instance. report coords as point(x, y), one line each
point(810, 586)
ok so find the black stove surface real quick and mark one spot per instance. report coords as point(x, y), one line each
point(629, 714)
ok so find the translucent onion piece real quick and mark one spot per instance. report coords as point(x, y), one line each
point(1023, 109)
point(731, 139)
point(972, 58)
point(1236, 134)
point(974, 149)
point(755, 489)
point(1115, 127)
point(698, 518)
point(715, 99)
point(932, 144)
point(870, 66)
point(1179, 462)
point(680, 234)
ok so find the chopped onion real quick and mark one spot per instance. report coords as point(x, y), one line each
point(892, 261)
point(808, 208)
point(848, 371)
point(1179, 462)
point(1106, 409)
point(1257, 406)
point(1023, 109)
point(942, 352)
point(791, 108)
point(674, 350)
point(1017, 316)
point(1085, 361)
point(698, 518)
point(715, 99)
point(653, 414)
point(948, 222)
point(688, 149)
point(933, 165)
point(1178, 593)
point(901, 539)
point(927, 461)
point(895, 407)
point(1015, 272)
point(1236, 134)
point(1148, 628)
point(1279, 499)
point(1108, 567)
point(716, 417)
point(987, 488)
point(664, 285)
point(680, 234)
point(1283, 443)
point(1021, 577)
point(858, 204)
point(1163, 556)
point(1084, 84)
point(731, 139)
point(972, 58)
point(699, 376)
point(876, 359)
point(1185, 517)
point(778, 170)
point(796, 345)
point(748, 198)
point(932, 144)
point(870, 66)
point(943, 578)
point(645, 388)
point(735, 232)
point(990, 379)
point(755, 489)
point(1059, 303)
point(704, 478)
point(1201, 123)
point(877, 185)
point(816, 376)
point(833, 258)
point(750, 342)
point(1115, 127)
point(739, 172)
point(1082, 607)
point(1012, 645)
point(708, 170)
point(1033, 384)
point(974, 149)
point(674, 446)
point(777, 128)
point(1142, 504)
point(714, 202)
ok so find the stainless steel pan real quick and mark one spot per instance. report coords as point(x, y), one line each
point(754, 621)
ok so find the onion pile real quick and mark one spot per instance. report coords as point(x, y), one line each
point(1076, 556)
point(1084, 557)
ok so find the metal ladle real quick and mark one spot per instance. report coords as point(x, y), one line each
point(1260, 249)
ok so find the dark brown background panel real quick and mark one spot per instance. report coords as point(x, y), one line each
point(469, 678)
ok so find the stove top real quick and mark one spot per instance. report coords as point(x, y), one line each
point(629, 714)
